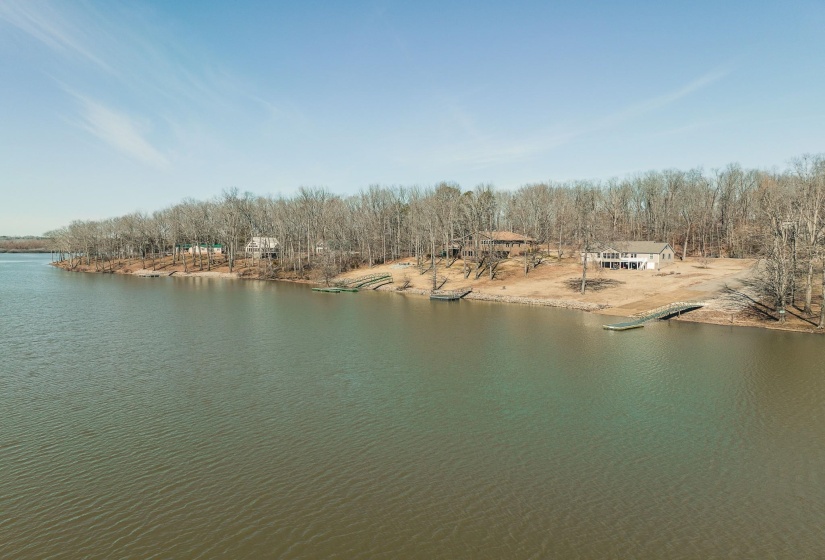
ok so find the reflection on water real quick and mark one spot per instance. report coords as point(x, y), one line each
point(197, 418)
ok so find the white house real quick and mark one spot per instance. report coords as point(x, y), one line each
point(632, 255)
point(263, 247)
point(215, 249)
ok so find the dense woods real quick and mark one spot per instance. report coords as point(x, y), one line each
point(777, 216)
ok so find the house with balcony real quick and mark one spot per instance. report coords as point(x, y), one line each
point(631, 255)
point(259, 247)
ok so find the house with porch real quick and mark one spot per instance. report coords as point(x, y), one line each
point(631, 255)
point(259, 247)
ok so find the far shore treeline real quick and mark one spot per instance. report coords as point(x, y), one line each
point(777, 216)
point(26, 244)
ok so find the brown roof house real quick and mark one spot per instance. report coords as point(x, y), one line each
point(503, 243)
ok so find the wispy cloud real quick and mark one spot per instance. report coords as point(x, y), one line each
point(47, 25)
point(119, 130)
point(125, 42)
point(659, 102)
point(126, 53)
point(484, 150)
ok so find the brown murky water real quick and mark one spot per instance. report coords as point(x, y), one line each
point(182, 418)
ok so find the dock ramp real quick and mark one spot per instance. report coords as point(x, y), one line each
point(664, 312)
point(450, 295)
point(367, 280)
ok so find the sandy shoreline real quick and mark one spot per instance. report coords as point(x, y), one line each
point(720, 284)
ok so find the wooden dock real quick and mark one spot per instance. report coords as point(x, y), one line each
point(664, 312)
point(380, 282)
point(368, 280)
point(450, 295)
point(334, 289)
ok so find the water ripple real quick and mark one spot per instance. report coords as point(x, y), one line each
point(221, 419)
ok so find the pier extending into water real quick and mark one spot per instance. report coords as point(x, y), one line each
point(664, 312)
point(450, 295)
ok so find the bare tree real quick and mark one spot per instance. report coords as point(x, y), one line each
point(777, 266)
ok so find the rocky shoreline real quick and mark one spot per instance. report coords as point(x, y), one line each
point(717, 312)
point(480, 296)
point(566, 304)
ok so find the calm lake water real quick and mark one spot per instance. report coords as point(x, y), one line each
point(197, 418)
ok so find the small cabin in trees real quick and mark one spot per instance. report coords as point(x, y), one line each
point(214, 249)
point(263, 247)
point(631, 255)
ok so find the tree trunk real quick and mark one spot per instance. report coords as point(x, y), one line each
point(822, 300)
point(584, 272)
point(559, 246)
point(432, 256)
point(809, 281)
point(793, 274)
point(525, 262)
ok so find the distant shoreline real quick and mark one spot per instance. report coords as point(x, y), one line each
point(635, 291)
point(25, 244)
point(22, 251)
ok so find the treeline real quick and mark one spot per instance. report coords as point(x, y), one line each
point(778, 216)
point(25, 244)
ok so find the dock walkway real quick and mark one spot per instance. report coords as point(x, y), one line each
point(450, 295)
point(369, 279)
point(659, 313)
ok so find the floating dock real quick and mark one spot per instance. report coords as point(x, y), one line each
point(334, 289)
point(664, 312)
point(450, 295)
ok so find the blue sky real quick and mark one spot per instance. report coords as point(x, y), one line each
point(108, 108)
